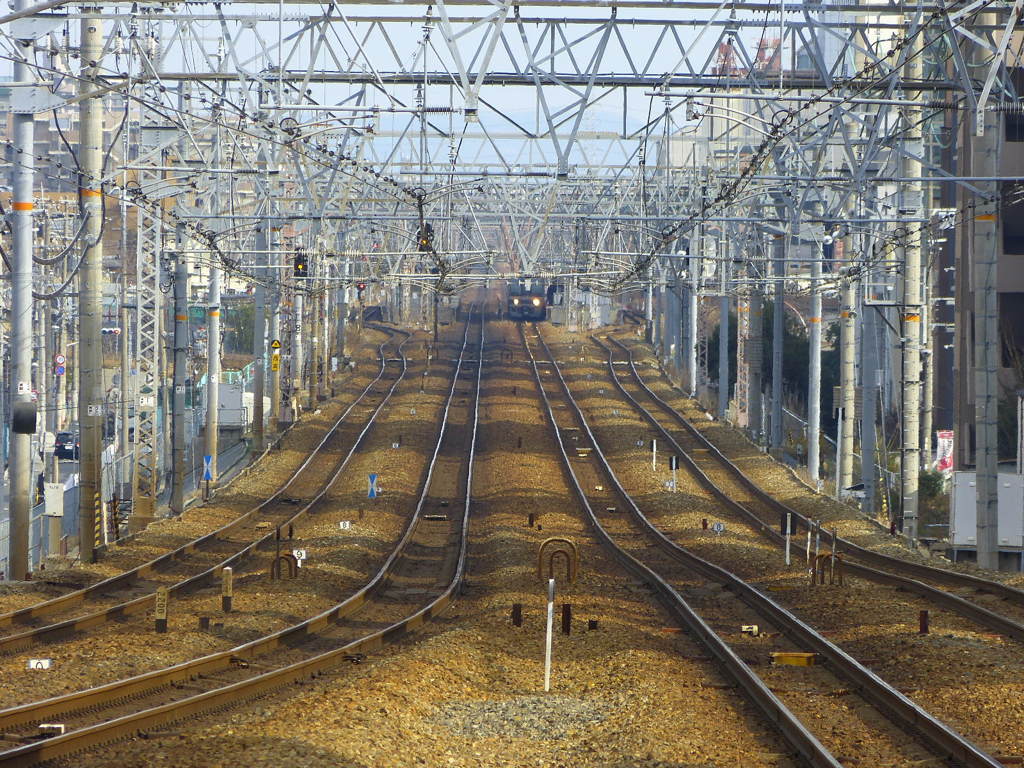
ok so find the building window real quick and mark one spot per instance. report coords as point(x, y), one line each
point(1013, 222)
point(1011, 329)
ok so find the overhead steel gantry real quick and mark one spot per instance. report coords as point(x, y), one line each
point(594, 140)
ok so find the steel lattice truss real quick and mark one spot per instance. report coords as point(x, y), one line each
point(559, 136)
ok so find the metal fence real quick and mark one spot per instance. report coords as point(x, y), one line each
point(40, 541)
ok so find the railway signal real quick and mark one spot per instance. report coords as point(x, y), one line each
point(425, 238)
point(300, 265)
point(360, 287)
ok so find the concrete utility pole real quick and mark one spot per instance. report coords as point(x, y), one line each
point(754, 354)
point(297, 341)
point(869, 387)
point(910, 468)
point(987, 344)
point(927, 369)
point(328, 338)
point(316, 353)
point(211, 437)
point(49, 336)
point(180, 373)
point(90, 305)
point(649, 312)
point(275, 375)
point(342, 310)
point(22, 408)
point(274, 258)
point(692, 305)
point(847, 379)
point(211, 426)
point(723, 332)
point(778, 324)
point(814, 373)
point(259, 343)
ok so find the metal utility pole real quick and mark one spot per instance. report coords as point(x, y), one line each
point(180, 374)
point(124, 434)
point(814, 374)
point(910, 467)
point(847, 380)
point(149, 322)
point(22, 408)
point(778, 324)
point(987, 344)
point(90, 305)
point(212, 426)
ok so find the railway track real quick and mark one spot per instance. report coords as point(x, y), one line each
point(199, 562)
point(737, 492)
point(419, 578)
point(864, 718)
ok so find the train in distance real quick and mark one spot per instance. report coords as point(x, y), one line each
point(529, 299)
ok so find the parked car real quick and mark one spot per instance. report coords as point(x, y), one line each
point(66, 445)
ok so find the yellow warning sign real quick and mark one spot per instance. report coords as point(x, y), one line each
point(275, 362)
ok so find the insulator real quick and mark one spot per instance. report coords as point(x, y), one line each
point(1009, 108)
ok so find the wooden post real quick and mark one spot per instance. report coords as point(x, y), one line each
point(566, 618)
point(517, 614)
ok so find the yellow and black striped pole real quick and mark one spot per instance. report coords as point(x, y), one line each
point(97, 522)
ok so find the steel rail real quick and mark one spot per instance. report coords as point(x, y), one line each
point(966, 608)
point(945, 741)
point(813, 752)
point(33, 636)
point(128, 725)
point(122, 579)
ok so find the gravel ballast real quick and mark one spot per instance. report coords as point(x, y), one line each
point(467, 691)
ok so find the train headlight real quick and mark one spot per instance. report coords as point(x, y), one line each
point(536, 302)
point(515, 302)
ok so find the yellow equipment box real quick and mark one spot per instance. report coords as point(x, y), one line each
point(794, 658)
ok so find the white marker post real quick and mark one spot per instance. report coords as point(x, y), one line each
point(654, 455)
point(809, 526)
point(789, 533)
point(547, 646)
